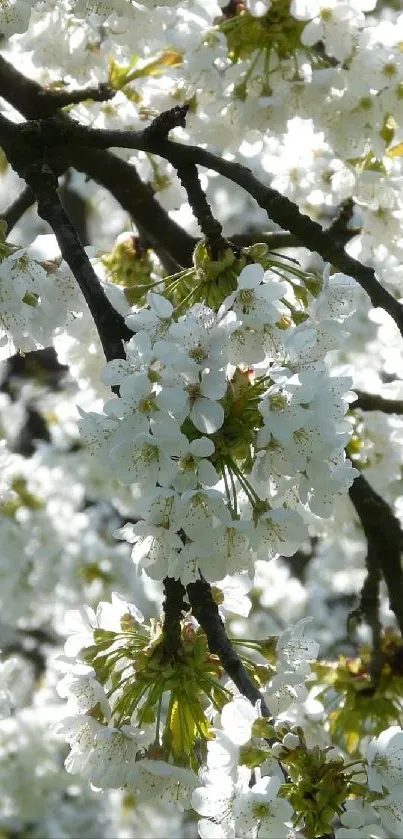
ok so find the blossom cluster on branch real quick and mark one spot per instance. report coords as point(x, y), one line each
point(201, 419)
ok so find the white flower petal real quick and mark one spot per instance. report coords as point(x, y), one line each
point(251, 276)
point(160, 304)
point(213, 384)
point(207, 416)
point(203, 447)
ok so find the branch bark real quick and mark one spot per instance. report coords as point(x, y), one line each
point(28, 97)
point(173, 607)
point(116, 175)
point(25, 153)
point(17, 208)
point(206, 613)
point(373, 402)
point(123, 182)
point(36, 102)
point(210, 227)
point(385, 540)
point(279, 208)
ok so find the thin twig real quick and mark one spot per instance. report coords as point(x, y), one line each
point(206, 613)
point(166, 122)
point(373, 402)
point(17, 208)
point(210, 227)
point(37, 102)
point(56, 99)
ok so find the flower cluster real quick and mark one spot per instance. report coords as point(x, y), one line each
point(384, 756)
point(35, 298)
point(122, 735)
point(114, 691)
point(228, 426)
point(261, 777)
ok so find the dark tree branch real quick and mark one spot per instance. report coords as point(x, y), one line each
point(373, 402)
point(166, 259)
point(210, 227)
point(120, 178)
point(26, 147)
point(339, 229)
point(173, 608)
point(368, 609)
point(385, 540)
point(206, 613)
point(171, 243)
point(27, 97)
point(76, 207)
point(37, 102)
point(276, 240)
point(22, 203)
point(279, 208)
point(109, 323)
point(24, 152)
point(231, 9)
point(25, 155)
point(56, 99)
point(380, 526)
point(166, 122)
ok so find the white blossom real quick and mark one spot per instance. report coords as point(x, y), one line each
point(385, 760)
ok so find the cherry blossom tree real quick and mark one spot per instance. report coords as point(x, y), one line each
point(201, 326)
